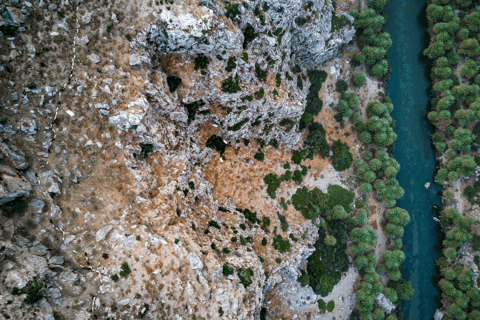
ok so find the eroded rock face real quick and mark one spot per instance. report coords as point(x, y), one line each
point(119, 166)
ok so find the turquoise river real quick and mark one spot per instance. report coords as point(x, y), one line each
point(408, 89)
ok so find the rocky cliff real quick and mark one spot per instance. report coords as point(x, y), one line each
point(130, 131)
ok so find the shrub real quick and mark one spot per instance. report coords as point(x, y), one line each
point(216, 143)
point(341, 86)
point(173, 83)
point(230, 86)
point(278, 260)
point(232, 9)
point(245, 276)
point(264, 241)
point(234, 239)
point(201, 62)
point(16, 291)
point(115, 278)
point(359, 79)
point(281, 245)
point(260, 156)
point(248, 35)
point(125, 270)
point(304, 279)
point(342, 158)
point(261, 74)
point(227, 270)
point(316, 140)
point(34, 293)
point(273, 183)
point(231, 64)
point(314, 103)
point(330, 306)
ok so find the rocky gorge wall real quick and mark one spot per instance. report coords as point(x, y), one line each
point(110, 196)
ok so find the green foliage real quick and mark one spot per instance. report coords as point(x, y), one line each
point(330, 306)
point(316, 140)
point(260, 156)
point(192, 109)
point(201, 62)
point(232, 9)
point(342, 158)
point(341, 86)
point(330, 240)
point(245, 276)
point(327, 263)
point(115, 278)
point(281, 245)
point(227, 270)
point(283, 222)
point(213, 223)
point(16, 291)
point(304, 279)
point(358, 79)
point(278, 79)
point(230, 86)
point(125, 270)
point(216, 143)
point(261, 74)
point(347, 104)
point(238, 125)
point(314, 103)
point(173, 83)
point(35, 293)
point(273, 183)
point(248, 35)
point(231, 64)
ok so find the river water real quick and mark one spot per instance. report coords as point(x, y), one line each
point(407, 88)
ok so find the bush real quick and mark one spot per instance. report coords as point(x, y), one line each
point(216, 143)
point(201, 62)
point(231, 64)
point(245, 276)
point(359, 79)
point(330, 306)
point(273, 183)
point(227, 270)
point(278, 260)
point(314, 103)
point(304, 279)
point(316, 140)
point(342, 158)
point(115, 278)
point(248, 35)
point(260, 156)
point(173, 83)
point(230, 86)
point(232, 9)
point(281, 245)
point(341, 86)
point(264, 241)
point(34, 293)
point(125, 270)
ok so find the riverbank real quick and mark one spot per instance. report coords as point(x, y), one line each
point(453, 50)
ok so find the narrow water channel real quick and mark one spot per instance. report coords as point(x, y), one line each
point(407, 88)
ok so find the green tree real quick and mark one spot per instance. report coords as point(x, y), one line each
point(342, 158)
point(359, 79)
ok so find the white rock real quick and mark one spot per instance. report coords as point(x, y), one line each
point(427, 185)
point(195, 262)
point(438, 315)
point(93, 58)
point(103, 232)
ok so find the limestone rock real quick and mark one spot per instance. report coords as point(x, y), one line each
point(438, 315)
point(102, 233)
point(384, 303)
point(12, 188)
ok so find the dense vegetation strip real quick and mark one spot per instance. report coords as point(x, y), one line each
point(454, 49)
